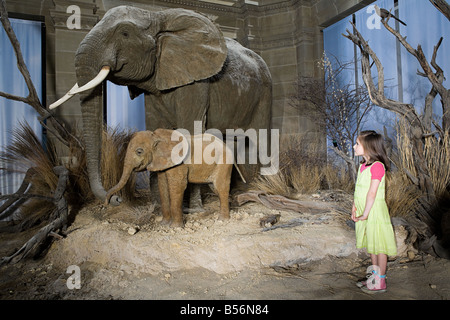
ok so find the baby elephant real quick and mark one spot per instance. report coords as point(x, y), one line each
point(196, 159)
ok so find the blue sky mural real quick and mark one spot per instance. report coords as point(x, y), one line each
point(28, 34)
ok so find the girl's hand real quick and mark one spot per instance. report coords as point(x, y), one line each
point(354, 213)
point(370, 199)
point(362, 218)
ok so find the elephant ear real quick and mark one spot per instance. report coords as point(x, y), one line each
point(170, 148)
point(134, 92)
point(190, 48)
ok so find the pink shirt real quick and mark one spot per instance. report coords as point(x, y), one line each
point(376, 169)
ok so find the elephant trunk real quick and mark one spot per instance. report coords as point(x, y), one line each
point(127, 170)
point(88, 63)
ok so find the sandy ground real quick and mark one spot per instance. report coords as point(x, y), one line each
point(124, 254)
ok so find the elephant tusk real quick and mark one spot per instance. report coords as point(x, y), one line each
point(76, 89)
point(94, 82)
point(66, 97)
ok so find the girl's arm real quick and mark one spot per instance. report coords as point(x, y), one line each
point(370, 198)
point(354, 212)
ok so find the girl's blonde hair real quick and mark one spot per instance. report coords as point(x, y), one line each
point(373, 144)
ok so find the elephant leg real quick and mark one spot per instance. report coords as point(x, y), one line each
point(163, 187)
point(154, 189)
point(195, 199)
point(222, 188)
point(224, 191)
point(180, 108)
point(177, 186)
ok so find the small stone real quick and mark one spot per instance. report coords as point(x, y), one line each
point(132, 230)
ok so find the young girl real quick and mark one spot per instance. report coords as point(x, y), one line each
point(372, 221)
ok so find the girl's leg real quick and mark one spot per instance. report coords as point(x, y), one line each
point(380, 274)
point(382, 263)
point(374, 259)
point(363, 282)
point(379, 260)
point(377, 282)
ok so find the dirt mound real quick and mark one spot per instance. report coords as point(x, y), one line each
point(132, 238)
point(124, 253)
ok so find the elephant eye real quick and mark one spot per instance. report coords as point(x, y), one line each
point(125, 34)
point(139, 151)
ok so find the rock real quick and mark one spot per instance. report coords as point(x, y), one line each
point(269, 221)
point(132, 230)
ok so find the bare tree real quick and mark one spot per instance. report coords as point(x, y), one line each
point(58, 218)
point(340, 105)
point(420, 125)
point(60, 131)
point(442, 6)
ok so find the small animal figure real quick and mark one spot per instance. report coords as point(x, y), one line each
point(384, 14)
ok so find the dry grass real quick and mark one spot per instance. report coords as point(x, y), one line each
point(303, 170)
point(306, 179)
point(337, 177)
point(114, 147)
point(25, 151)
point(405, 158)
point(437, 155)
point(273, 184)
point(401, 194)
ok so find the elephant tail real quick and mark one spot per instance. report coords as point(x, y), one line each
point(240, 173)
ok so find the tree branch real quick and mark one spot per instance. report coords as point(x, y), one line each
point(436, 79)
point(420, 56)
point(13, 97)
point(376, 93)
point(59, 217)
point(12, 202)
point(442, 6)
point(33, 98)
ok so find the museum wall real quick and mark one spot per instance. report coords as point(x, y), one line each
point(287, 34)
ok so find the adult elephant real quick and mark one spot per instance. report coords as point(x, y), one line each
point(182, 63)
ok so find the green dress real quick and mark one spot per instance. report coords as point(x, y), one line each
point(375, 233)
